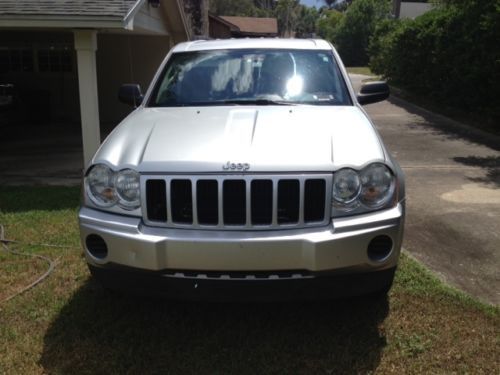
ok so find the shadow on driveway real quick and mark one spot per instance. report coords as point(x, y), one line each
point(446, 127)
point(491, 164)
point(98, 332)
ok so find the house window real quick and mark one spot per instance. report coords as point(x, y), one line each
point(16, 60)
point(55, 59)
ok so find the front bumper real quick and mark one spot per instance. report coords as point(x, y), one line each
point(312, 286)
point(339, 247)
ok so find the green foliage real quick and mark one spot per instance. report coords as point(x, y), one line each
point(330, 3)
point(351, 30)
point(449, 54)
point(353, 33)
point(306, 25)
point(244, 8)
point(327, 24)
point(382, 44)
point(290, 14)
point(287, 12)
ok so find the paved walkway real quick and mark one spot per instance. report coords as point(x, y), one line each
point(453, 193)
point(40, 155)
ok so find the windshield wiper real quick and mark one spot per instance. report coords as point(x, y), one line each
point(255, 102)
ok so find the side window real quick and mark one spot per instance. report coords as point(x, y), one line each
point(55, 59)
point(16, 60)
point(331, 78)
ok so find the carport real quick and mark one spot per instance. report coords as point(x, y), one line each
point(62, 62)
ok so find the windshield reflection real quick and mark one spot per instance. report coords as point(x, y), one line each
point(234, 76)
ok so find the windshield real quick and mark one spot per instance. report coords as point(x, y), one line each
point(239, 77)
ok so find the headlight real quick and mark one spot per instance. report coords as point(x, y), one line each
point(128, 189)
point(100, 187)
point(106, 188)
point(356, 192)
point(377, 185)
point(346, 187)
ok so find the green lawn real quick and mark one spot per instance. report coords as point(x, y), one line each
point(360, 70)
point(68, 324)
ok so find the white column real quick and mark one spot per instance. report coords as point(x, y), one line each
point(85, 46)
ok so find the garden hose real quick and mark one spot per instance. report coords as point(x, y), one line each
point(49, 261)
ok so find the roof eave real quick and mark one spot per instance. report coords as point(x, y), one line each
point(128, 20)
point(258, 33)
point(63, 21)
point(231, 26)
point(87, 21)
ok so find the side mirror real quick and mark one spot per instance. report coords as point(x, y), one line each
point(373, 92)
point(130, 94)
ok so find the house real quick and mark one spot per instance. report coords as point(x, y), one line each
point(410, 9)
point(66, 59)
point(221, 27)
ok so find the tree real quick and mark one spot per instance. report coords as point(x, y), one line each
point(330, 3)
point(292, 17)
point(340, 5)
point(327, 24)
point(245, 8)
point(264, 4)
point(287, 12)
point(352, 34)
point(307, 21)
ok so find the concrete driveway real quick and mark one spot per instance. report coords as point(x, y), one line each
point(453, 193)
point(40, 155)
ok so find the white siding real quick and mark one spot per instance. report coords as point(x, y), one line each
point(150, 20)
point(412, 10)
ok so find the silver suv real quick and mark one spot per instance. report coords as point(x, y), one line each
point(248, 169)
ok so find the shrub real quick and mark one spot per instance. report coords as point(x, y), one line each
point(352, 33)
point(449, 54)
point(327, 23)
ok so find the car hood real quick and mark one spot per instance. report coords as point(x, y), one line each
point(264, 138)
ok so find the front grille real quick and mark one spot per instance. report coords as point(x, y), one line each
point(157, 200)
point(207, 197)
point(236, 202)
point(262, 202)
point(235, 205)
point(182, 201)
point(314, 195)
point(288, 201)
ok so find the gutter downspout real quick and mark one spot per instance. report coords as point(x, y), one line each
point(183, 18)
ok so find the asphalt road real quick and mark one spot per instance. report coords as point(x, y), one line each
point(453, 193)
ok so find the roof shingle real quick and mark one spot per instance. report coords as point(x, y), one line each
point(253, 24)
point(114, 8)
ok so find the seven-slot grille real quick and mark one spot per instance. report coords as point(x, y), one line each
point(236, 202)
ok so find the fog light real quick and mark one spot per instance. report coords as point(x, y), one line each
point(96, 246)
point(379, 248)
